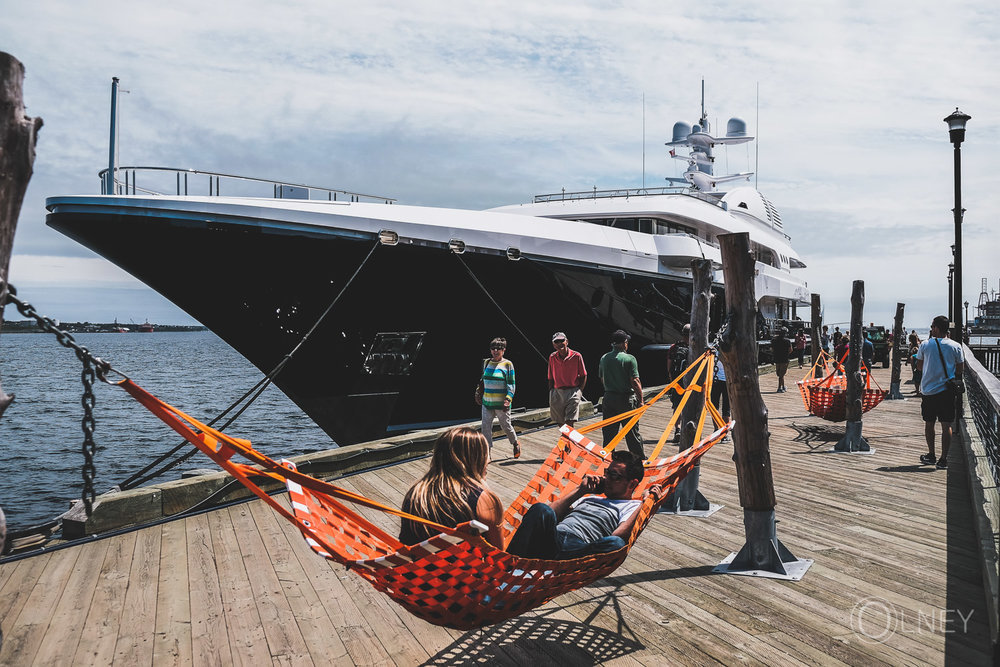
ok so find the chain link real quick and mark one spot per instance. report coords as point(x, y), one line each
point(93, 368)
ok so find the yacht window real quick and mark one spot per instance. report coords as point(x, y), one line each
point(646, 225)
point(631, 224)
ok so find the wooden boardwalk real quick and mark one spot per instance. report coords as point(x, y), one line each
point(896, 578)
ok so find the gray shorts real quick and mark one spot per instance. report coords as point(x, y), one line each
point(564, 404)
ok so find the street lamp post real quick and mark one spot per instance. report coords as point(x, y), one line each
point(956, 133)
point(951, 290)
point(965, 322)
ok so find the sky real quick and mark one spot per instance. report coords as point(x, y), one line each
point(475, 105)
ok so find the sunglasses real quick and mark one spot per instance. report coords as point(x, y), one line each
point(497, 347)
point(613, 476)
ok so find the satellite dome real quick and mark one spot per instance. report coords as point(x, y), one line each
point(736, 127)
point(681, 131)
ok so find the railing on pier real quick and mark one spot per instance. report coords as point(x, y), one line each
point(984, 401)
point(988, 356)
point(159, 181)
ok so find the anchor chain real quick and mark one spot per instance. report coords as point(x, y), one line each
point(93, 368)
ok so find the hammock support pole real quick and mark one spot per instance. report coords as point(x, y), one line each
point(762, 555)
point(687, 499)
point(897, 355)
point(853, 441)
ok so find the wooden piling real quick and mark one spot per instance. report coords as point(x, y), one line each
point(816, 324)
point(763, 552)
point(17, 156)
point(687, 496)
point(853, 441)
point(899, 348)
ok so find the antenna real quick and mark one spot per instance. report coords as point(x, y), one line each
point(756, 145)
point(110, 180)
point(643, 140)
point(704, 119)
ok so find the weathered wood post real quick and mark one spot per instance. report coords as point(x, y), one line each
point(763, 554)
point(816, 327)
point(17, 155)
point(898, 347)
point(853, 441)
point(687, 497)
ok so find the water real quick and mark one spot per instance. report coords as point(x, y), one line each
point(40, 434)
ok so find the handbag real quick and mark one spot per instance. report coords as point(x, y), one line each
point(952, 384)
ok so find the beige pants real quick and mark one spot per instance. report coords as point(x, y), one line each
point(503, 415)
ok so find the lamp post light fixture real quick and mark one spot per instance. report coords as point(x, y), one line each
point(965, 322)
point(956, 133)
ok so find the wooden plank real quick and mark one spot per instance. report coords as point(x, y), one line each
point(246, 636)
point(71, 612)
point(209, 629)
point(318, 632)
point(172, 632)
point(104, 618)
point(26, 636)
point(137, 634)
point(284, 639)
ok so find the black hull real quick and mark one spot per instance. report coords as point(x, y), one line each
point(403, 346)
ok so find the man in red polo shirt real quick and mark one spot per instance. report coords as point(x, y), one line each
point(567, 378)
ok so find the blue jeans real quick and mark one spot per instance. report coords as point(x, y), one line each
point(537, 537)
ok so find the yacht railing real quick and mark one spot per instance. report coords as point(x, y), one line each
point(711, 198)
point(197, 182)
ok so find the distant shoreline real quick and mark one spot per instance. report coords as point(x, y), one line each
point(29, 326)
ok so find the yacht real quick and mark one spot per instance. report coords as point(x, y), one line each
point(379, 315)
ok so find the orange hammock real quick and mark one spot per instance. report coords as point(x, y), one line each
point(456, 579)
point(826, 397)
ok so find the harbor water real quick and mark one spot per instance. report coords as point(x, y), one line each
point(40, 434)
point(41, 437)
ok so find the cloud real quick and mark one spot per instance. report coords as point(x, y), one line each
point(435, 104)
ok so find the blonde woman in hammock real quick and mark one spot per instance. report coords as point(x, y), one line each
point(454, 489)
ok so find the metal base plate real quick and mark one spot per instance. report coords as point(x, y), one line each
point(701, 514)
point(835, 451)
point(795, 569)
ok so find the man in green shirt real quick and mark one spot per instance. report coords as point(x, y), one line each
point(619, 371)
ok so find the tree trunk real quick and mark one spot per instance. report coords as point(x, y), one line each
point(738, 348)
point(899, 348)
point(17, 155)
point(853, 441)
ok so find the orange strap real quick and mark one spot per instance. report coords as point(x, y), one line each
point(220, 447)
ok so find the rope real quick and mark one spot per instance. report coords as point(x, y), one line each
point(142, 477)
point(543, 356)
point(92, 367)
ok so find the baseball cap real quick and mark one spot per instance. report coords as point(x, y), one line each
point(559, 335)
point(619, 336)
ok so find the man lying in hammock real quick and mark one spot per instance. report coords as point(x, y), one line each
point(580, 523)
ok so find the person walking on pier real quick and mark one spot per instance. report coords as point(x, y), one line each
point(567, 378)
point(496, 393)
point(824, 339)
point(940, 359)
point(619, 372)
point(780, 348)
point(800, 346)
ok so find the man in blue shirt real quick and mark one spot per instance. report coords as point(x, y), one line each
point(939, 358)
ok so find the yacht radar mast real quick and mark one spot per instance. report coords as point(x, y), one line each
point(699, 139)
